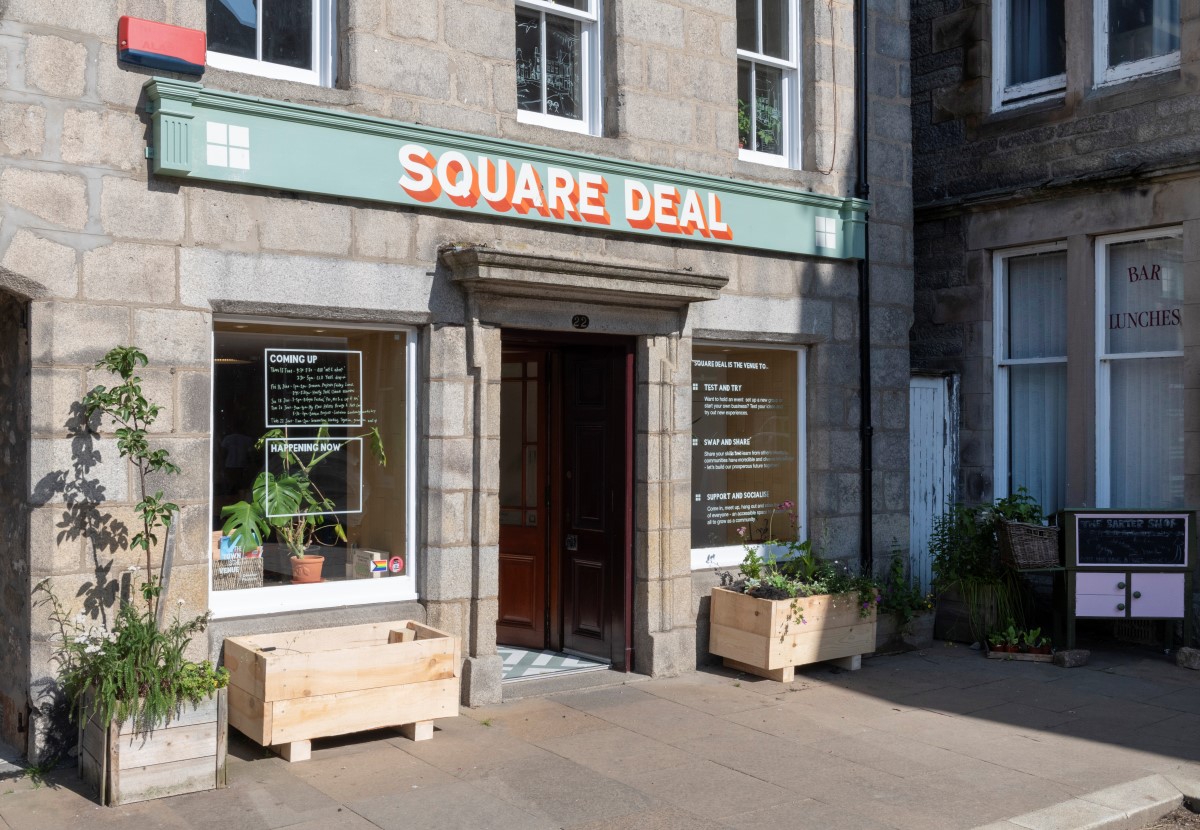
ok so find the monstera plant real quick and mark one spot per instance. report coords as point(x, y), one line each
point(289, 503)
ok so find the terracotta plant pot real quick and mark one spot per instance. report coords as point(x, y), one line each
point(308, 569)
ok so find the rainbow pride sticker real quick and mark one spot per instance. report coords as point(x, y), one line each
point(379, 566)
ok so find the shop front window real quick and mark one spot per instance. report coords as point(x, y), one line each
point(1139, 429)
point(747, 449)
point(311, 460)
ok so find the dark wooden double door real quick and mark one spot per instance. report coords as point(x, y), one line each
point(566, 498)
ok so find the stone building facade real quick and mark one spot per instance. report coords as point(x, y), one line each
point(201, 251)
point(1057, 245)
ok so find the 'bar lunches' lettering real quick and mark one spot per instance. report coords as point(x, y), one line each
point(1144, 319)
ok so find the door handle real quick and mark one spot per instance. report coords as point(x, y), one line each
point(572, 542)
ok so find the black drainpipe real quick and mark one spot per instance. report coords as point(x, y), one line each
point(862, 190)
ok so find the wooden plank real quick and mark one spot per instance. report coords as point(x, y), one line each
point(1028, 658)
point(186, 714)
point(295, 751)
point(318, 639)
point(92, 735)
point(405, 635)
point(851, 663)
point(736, 644)
point(177, 743)
point(250, 716)
point(816, 645)
point(355, 711)
point(743, 612)
point(247, 667)
point(298, 675)
point(783, 675)
point(161, 780)
point(110, 787)
point(222, 737)
point(419, 731)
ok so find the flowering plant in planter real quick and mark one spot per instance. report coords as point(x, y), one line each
point(136, 670)
point(790, 569)
point(790, 607)
point(125, 683)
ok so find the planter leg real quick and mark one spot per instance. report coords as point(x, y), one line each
point(785, 675)
point(295, 751)
point(852, 663)
point(419, 731)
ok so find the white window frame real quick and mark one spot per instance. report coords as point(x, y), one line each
point(1105, 74)
point(324, 48)
point(1002, 441)
point(591, 36)
point(1006, 97)
point(1104, 359)
point(732, 555)
point(789, 95)
point(283, 598)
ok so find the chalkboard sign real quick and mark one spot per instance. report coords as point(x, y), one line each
point(1131, 539)
point(313, 388)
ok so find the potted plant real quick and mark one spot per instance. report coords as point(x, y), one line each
point(743, 124)
point(290, 503)
point(790, 608)
point(151, 721)
point(905, 611)
point(975, 589)
point(1035, 643)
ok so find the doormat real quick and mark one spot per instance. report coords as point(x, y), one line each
point(525, 664)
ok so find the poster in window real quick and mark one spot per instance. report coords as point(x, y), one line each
point(744, 442)
point(313, 387)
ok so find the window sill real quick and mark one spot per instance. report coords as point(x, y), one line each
point(554, 122)
point(1024, 106)
point(1136, 70)
point(280, 90)
point(767, 159)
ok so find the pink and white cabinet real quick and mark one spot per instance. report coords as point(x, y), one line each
point(1129, 565)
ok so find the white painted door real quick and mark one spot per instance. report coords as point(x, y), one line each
point(931, 430)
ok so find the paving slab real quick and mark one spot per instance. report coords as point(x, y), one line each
point(934, 740)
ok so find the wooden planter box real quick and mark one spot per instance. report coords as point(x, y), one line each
point(761, 636)
point(286, 689)
point(185, 755)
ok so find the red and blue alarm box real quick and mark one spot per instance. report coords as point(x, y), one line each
point(160, 46)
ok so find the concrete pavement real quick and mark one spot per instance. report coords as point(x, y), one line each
point(935, 739)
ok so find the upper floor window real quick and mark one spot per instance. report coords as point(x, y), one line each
point(287, 39)
point(768, 49)
point(1135, 37)
point(1030, 50)
point(558, 64)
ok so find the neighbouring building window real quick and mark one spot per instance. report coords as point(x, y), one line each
point(1135, 37)
point(558, 64)
point(768, 50)
point(312, 430)
point(1031, 374)
point(1139, 345)
point(1029, 49)
point(291, 40)
point(747, 448)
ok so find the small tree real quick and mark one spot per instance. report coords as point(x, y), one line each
point(126, 405)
